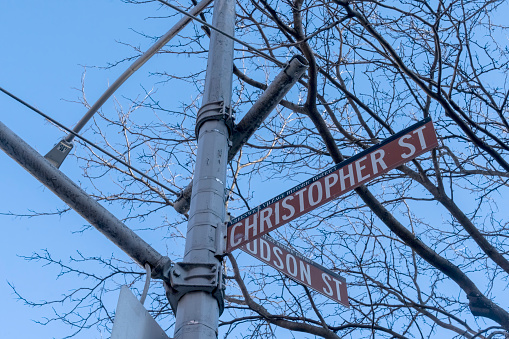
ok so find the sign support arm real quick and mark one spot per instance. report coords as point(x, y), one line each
point(98, 216)
point(254, 117)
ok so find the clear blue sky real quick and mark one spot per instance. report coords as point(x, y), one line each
point(44, 48)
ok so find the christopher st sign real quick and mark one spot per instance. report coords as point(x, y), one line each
point(343, 177)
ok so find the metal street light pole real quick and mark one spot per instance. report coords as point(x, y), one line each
point(195, 286)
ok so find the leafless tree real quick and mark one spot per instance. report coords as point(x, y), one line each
point(423, 248)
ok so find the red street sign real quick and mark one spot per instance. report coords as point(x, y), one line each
point(337, 180)
point(299, 268)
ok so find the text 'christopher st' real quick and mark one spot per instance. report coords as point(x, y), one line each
point(340, 179)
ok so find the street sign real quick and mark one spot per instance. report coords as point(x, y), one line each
point(299, 268)
point(328, 185)
point(132, 320)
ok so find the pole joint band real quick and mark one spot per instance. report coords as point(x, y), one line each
point(215, 110)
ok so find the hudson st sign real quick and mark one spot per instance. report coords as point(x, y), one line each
point(299, 268)
point(330, 184)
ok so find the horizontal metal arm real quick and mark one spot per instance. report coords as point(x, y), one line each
point(269, 99)
point(80, 201)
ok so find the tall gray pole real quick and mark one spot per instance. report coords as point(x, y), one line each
point(197, 311)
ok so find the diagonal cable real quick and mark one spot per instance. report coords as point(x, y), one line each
point(86, 140)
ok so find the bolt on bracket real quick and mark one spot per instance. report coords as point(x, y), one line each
point(188, 277)
point(220, 240)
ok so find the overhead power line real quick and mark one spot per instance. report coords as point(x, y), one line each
point(86, 140)
point(253, 49)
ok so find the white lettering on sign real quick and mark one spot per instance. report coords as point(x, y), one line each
point(298, 268)
point(288, 207)
point(328, 289)
point(264, 250)
point(251, 226)
point(332, 183)
point(264, 218)
point(359, 169)
point(291, 265)
point(410, 147)
point(235, 241)
point(377, 159)
point(279, 263)
point(422, 140)
point(305, 272)
point(301, 199)
point(317, 186)
point(348, 175)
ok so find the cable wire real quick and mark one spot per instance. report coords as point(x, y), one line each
point(86, 140)
point(265, 55)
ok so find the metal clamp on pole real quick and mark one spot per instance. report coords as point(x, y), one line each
point(221, 240)
point(59, 152)
point(188, 277)
point(215, 110)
